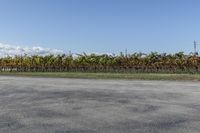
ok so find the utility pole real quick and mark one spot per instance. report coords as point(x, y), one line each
point(126, 53)
point(195, 47)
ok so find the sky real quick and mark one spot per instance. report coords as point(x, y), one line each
point(99, 26)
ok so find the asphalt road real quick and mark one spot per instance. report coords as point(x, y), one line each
point(50, 105)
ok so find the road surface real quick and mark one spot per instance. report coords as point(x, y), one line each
point(50, 105)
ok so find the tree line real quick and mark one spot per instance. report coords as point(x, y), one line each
point(136, 62)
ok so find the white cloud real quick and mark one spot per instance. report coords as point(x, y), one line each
point(6, 49)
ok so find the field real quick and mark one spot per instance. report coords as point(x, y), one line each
point(63, 105)
point(129, 63)
point(141, 76)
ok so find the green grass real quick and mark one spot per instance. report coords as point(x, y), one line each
point(140, 76)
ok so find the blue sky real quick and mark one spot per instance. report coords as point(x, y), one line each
point(101, 26)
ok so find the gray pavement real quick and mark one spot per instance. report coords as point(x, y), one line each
point(50, 105)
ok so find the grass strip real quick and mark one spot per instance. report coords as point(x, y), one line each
point(139, 76)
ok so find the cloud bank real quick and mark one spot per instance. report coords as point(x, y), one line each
point(11, 50)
